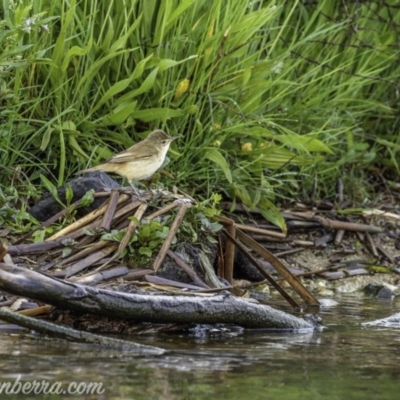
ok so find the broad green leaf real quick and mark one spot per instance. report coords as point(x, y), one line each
point(75, 145)
point(165, 63)
point(76, 51)
point(146, 251)
point(46, 138)
point(151, 114)
point(114, 89)
point(139, 69)
point(87, 199)
point(51, 188)
point(271, 213)
point(147, 84)
point(215, 156)
point(303, 143)
point(120, 114)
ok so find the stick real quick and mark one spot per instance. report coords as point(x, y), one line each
point(266, 232)
point(171, 234)
point(85, 220)
point(127, 237)
point(111, 208)
point(277, 264)
point(229, 258)
point(88, 261)
point(188, 269)
point(76, 336)
point(263, 272)
point(32, 247)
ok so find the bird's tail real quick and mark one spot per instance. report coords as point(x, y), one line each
point(85, 171)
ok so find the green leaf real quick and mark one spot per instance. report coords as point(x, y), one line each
point(303, 143)
point(215, 156)
point(271, 213)
point(152, 114)
point(39, 235)
point(120, 114)
point(87, 199)
point(146, 251)
point(76, 51)
point(52, 189)
point(46, 138)
point(69, 194)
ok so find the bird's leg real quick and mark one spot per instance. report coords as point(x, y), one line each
point(139, 196)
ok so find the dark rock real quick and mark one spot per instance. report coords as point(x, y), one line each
point(378, 291)
point(170, 270)
point(244, 269)
point(48, 206)
point(385, 293)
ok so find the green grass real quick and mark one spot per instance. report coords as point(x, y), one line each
point(268, 96)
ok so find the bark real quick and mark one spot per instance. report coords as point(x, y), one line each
point(221, 308)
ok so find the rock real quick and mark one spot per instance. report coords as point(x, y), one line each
point(380, 291)
point(48, 206)
point(385, 293)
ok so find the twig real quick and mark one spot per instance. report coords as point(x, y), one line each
point(157, 280)
point(48, 222)
point(229, 258)
point(84, 220)
point(102, 276)
point(278, 235)
point(32, 247)
point(371, 245)
point(385, 253)
point(188, 269)
point(127, 237)
point(135, 275)
point(162, 210)
point(319, 271)
point(348, 226)
point(171, 234)
point(332, 224)
point(339, 236)
point(85, 252)
point(287, 252)
point(277, 264)
point(263, 272)
point(95, 224)
point(111, 208)
point(88, 261)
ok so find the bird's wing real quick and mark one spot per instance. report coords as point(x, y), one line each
point(126, 155)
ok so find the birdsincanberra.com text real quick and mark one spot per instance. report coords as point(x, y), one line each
point(46, 387)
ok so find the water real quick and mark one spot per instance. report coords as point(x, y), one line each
point(345, 361)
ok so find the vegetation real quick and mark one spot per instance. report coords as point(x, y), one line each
point(269, 97)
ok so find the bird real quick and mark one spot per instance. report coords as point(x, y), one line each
point(139, 161)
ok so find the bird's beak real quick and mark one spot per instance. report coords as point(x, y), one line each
point(175, 137)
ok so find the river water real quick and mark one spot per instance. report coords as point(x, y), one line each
point(344, 361)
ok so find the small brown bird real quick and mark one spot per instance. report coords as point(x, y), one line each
point(140, 161)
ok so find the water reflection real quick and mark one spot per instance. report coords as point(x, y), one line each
point(345, 360)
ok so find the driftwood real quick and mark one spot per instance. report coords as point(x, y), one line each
point(221, 308)
point(77, 336)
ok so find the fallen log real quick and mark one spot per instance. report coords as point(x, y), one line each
point(77, 336)
point(221, 308)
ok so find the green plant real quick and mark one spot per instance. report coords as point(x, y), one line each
point(266, 95)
